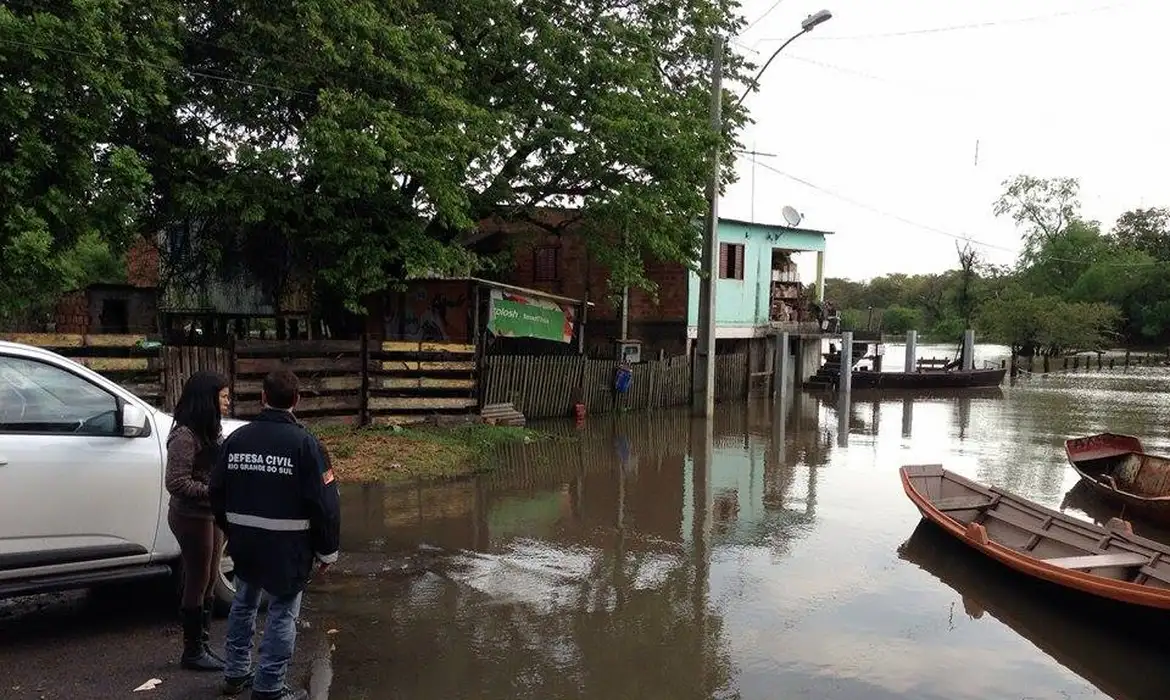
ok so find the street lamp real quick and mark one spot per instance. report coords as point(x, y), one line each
point(809, 23)
point(703, 374)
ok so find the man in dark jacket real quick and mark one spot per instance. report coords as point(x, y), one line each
point(275, 495)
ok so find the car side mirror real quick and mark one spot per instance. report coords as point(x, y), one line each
point(135, 422)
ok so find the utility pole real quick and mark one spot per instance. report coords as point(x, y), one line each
point(703, 374)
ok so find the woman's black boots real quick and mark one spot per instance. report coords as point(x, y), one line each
point(195, 654)
point(208, 610)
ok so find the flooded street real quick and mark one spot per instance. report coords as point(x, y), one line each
point(769, 555)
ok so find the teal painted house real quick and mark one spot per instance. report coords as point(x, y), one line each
point(758, 288)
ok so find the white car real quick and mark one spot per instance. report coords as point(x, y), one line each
point(82, 498)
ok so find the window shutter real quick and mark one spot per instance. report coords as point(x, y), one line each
point(724, 263)
point(739, 251)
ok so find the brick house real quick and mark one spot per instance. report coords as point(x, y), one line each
point(557, 261)
point(115, 308)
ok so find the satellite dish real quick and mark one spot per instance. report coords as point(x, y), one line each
point(792, 216)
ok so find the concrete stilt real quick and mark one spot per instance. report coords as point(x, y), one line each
point(845, 383)
point(969, 349)
point(911, 350)
point(845, 389)
point(783, 369)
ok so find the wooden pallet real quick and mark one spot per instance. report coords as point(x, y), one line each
point(502, 414)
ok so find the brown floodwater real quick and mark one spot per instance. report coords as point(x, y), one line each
point(769, 554)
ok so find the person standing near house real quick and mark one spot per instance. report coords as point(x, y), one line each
point(275, 495)
point(192, 447)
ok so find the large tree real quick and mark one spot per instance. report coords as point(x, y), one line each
point(70, 191)
point(1147, 230)
point(363, 141)
point(1043, 207)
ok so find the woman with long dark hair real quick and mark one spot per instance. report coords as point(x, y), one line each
point(192, 448)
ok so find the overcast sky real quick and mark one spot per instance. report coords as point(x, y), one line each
point(882, 106)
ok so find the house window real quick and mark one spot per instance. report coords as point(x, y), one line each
point(545, 266)
point(731, 261)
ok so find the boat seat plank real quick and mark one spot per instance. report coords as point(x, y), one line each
point(1049, 532)
point(962, 503)
point(1094, 561)
point(1151, 572)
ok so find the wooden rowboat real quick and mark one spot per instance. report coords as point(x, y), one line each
point(1110, 562)
point(1117, 468)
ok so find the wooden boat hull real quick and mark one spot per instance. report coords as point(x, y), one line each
point(929, 379)
point(1117, 468)
point(1109, 562)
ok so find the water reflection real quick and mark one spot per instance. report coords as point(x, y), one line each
point(1119, 650)
point(753, 556)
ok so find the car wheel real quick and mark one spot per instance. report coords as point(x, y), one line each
point(225, 585)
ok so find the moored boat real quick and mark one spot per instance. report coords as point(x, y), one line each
point(1117, 468)
point(1109, 562)
point(929, 379)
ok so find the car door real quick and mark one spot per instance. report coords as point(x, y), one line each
point(73, 491)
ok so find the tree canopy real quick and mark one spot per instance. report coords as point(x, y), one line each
point(357, 142)
point(1074, 287)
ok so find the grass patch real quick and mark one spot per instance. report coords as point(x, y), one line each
point(378, 454)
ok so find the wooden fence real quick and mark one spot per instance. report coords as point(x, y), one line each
point(359, 382)
point(410, 380)
point(547, 387)
point(154, 373)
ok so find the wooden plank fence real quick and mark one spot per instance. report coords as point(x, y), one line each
point(125, 359)
point(359, 382)
point(549, 386)
point(180, 362)
point(410, 380)
point(330, 373)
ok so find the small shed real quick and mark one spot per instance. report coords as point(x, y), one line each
point(110, 309)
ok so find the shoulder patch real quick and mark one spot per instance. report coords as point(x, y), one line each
point(328, 477)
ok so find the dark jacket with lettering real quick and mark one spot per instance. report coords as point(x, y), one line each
point(273, 493)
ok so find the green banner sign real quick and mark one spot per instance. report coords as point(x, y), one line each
point(512, 319)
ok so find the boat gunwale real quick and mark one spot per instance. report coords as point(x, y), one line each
point(1083, 581)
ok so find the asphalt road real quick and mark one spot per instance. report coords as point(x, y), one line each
point(104, 645)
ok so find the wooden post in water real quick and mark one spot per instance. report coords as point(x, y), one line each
point(1015, 366)
point(1045, 364)
point(1100, 359)
point(1076, 362)
point(1066, 363)
point(1111, 360)
point(1127, 358)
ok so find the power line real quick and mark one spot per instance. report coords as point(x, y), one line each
point(926, 227)
point(761, 17)
point(965, 27)
point(875, 210)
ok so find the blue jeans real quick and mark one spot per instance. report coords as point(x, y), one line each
point(276, 648)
